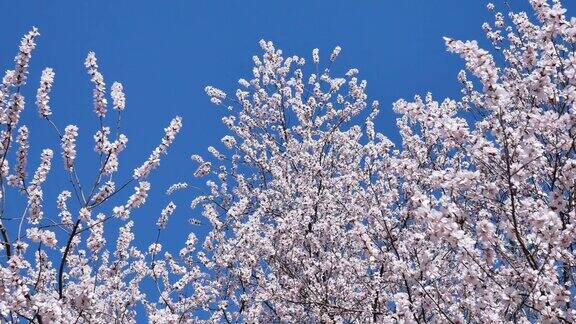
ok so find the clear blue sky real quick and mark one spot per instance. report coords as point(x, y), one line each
point(165, 52)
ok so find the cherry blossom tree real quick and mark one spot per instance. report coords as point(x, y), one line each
point(309, 213)
point(316, 217)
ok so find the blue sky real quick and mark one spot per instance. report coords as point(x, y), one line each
point(165, 52)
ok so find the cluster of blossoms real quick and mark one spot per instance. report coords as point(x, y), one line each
point(176, 187)
point(100, 101)
point(154, 159)
point(34, 190)
point(69, 146)
point(134, 201)
point(216, 95)
point(27, 45)
point(118, 99)
point(109, 149)
point(166, 212)
point(17, 180)
point(42, 96)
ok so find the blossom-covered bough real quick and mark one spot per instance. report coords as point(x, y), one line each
point(316, 217)
point(55, 269)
